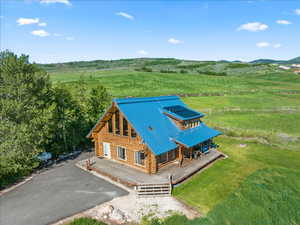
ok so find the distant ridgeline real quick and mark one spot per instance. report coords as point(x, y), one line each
point(169, 65)
point(291, 61)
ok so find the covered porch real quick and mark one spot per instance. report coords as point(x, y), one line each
point(195, 143)
point(184, 154)
point(189, 165)
point(196, 152)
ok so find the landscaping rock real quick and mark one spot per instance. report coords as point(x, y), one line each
point(118, 216)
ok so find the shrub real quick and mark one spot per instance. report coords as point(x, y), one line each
point(167, 71)
point(238, 65)
point(212, 73)
point(197, 65)
point(183, 71)
point(144, 69)
point(163, 61)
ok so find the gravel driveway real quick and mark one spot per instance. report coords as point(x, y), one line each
point(54, 194)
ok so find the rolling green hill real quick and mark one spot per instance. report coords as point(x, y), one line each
point(167, 65)
point(164, 65)
point(291, 61)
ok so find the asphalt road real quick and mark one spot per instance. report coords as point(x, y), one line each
point(55, 194)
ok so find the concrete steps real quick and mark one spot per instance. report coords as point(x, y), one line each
point(153, 190)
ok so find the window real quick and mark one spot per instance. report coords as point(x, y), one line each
point(133, 133)
point(191, 124)
point(162, 158)
point(110, 127)
point(125, 127)
point(121, 153)
point(171, 155)
point(139, 158)
point(117, 124)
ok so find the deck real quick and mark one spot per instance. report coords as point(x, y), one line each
point(132, 177)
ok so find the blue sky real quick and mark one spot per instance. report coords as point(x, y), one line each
point(68, 30)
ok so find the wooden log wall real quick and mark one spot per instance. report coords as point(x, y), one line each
point(131, 145)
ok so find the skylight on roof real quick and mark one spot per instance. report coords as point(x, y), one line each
point(182, 112)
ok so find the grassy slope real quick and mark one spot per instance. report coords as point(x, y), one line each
point(131, 83)
point(205, 190)
point(261, 110)
point(268, 196)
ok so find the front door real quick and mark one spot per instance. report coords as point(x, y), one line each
point(106, 150)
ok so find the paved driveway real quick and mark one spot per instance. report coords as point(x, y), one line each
point(54, 194)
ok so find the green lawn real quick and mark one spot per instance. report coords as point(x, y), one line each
point(205, 190)
point(268, 196)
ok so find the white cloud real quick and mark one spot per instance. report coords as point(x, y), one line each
point(40, 33)
point(70, 38)
point(42, 24)
point(277, 45)
point(262, 44)
point(66, 2)
point(142, 52)
point(297, 11)
point(254, 26)
point(284, 22)
point(125, 15)
point(175, 41)
point(27, 21)
point(57, 35)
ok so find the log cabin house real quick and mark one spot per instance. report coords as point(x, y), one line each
point(149, 133)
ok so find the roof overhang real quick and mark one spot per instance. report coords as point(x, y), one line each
point(101, 122)
point(194, 136)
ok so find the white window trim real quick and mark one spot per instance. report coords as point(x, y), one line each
point(138, 163)
point(125, 151)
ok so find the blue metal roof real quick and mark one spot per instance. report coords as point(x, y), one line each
point(157, 130)
point(194, 136)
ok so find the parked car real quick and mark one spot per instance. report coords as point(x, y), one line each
point(44, 156)
point(71, 155)
point(74, 154)
point(62, 157)
point(45, 159)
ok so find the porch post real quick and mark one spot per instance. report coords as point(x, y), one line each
point(153, 163)
point(121, 123)
point(180, 156)
point(113, 117)
point(191, 153)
